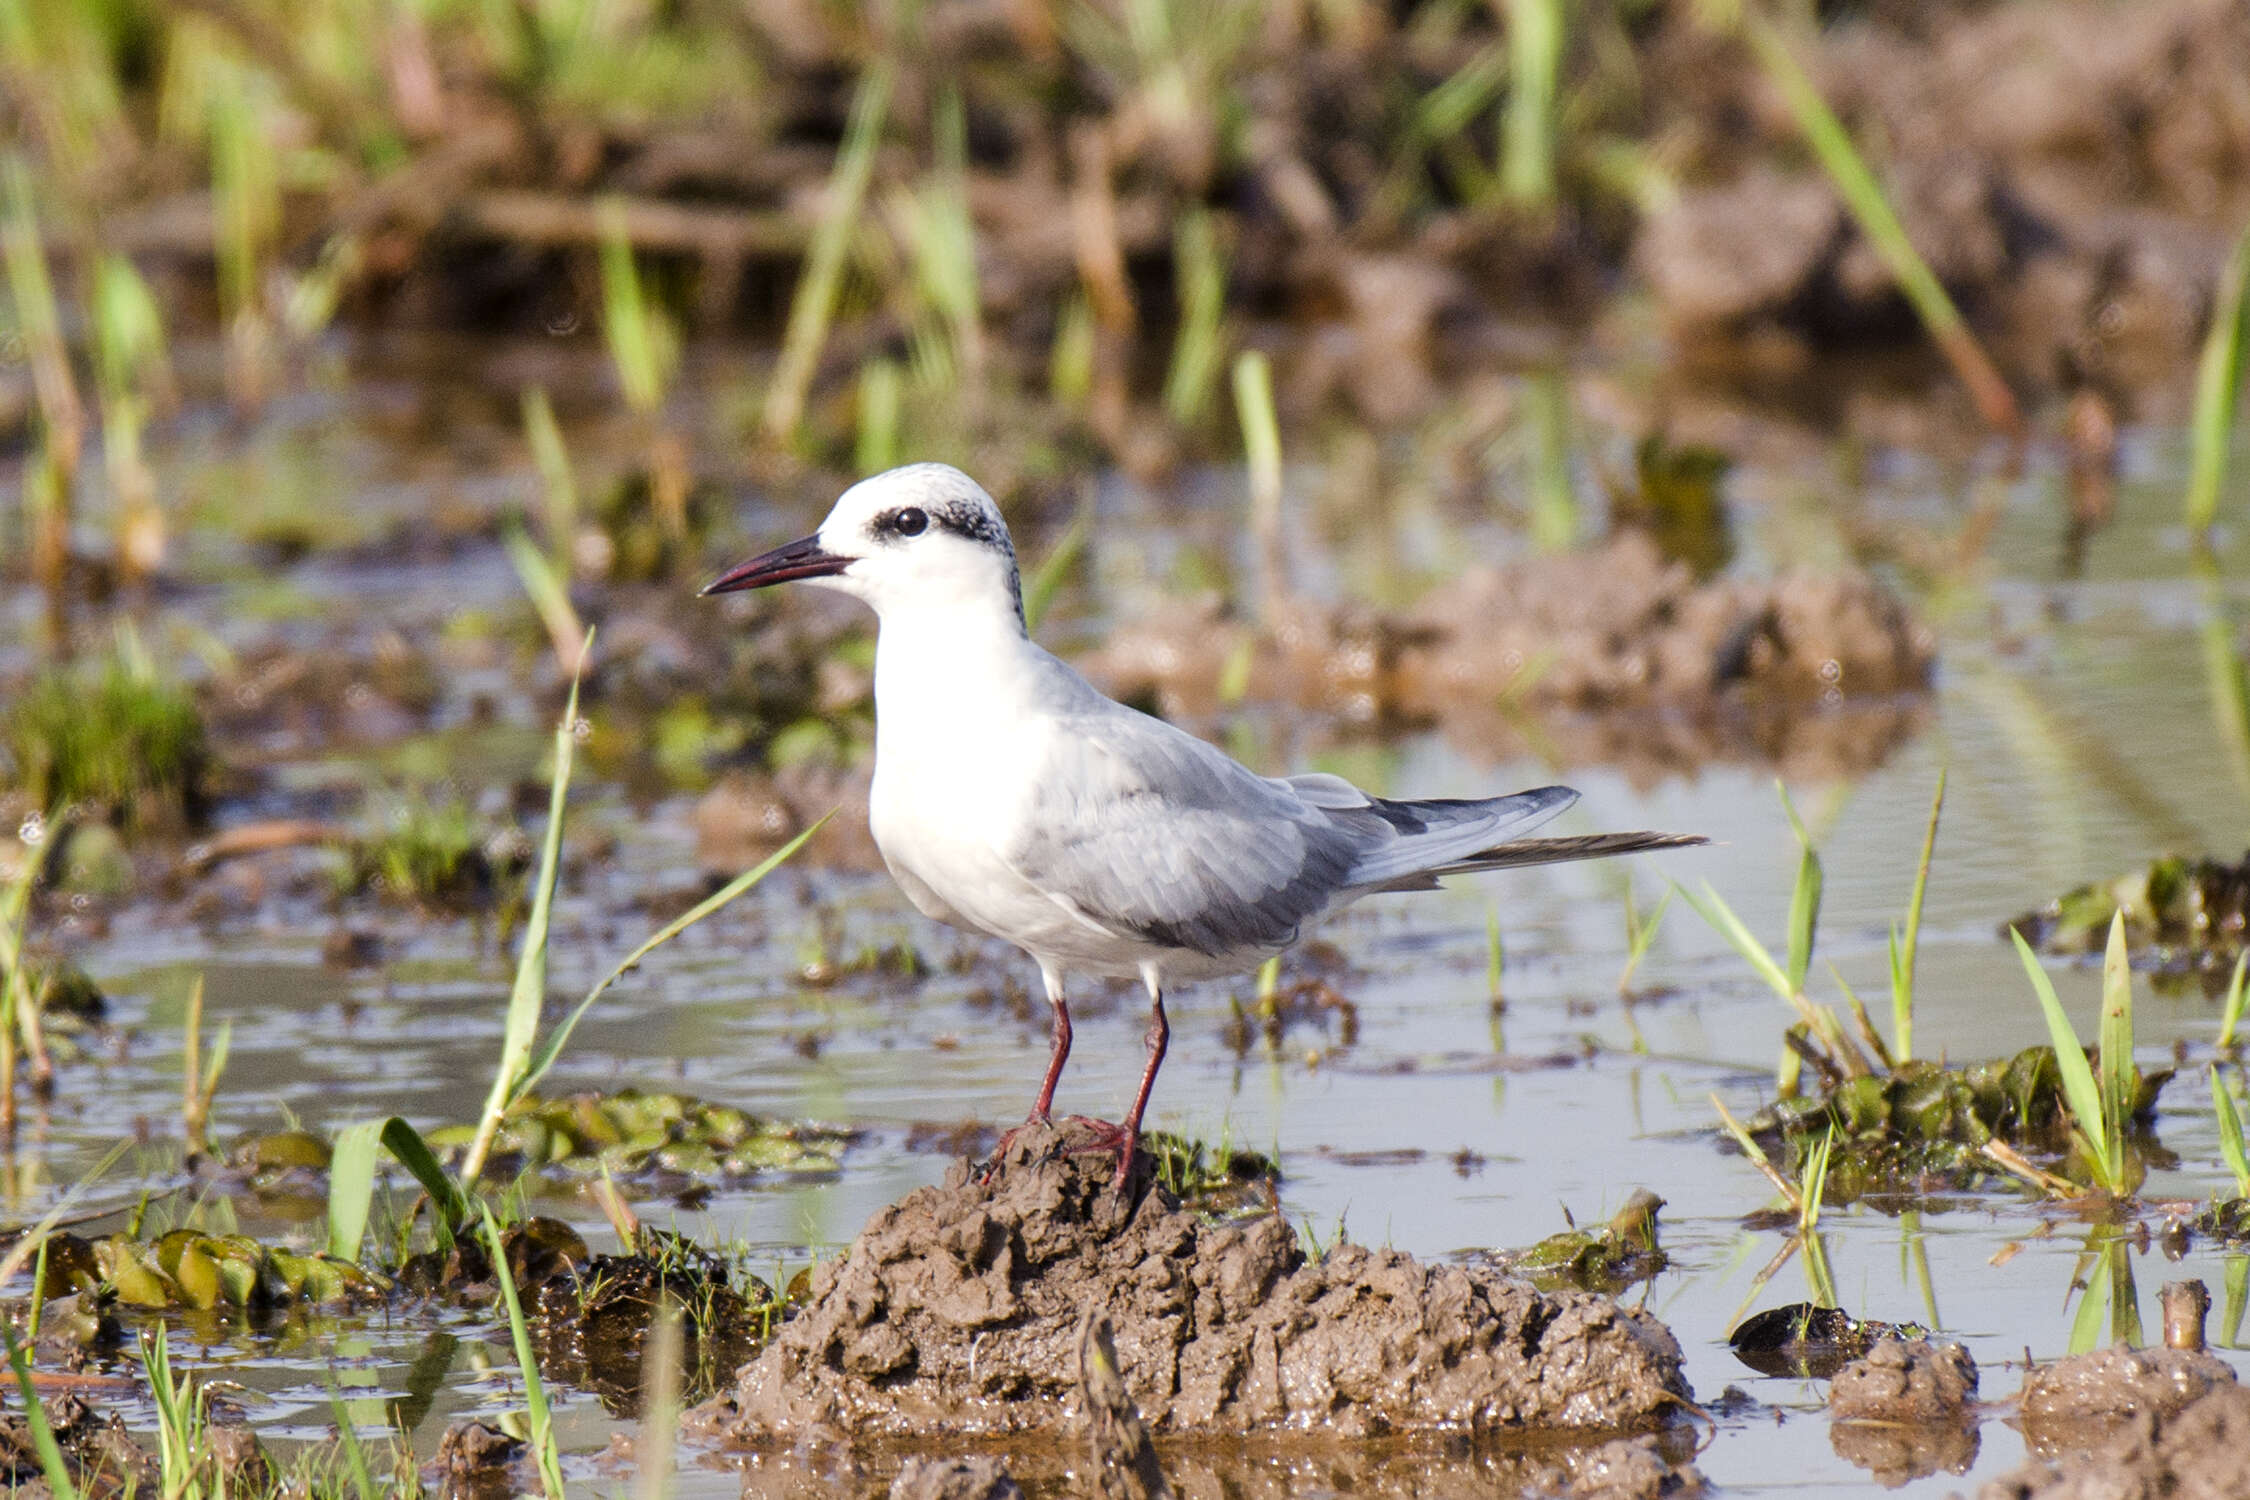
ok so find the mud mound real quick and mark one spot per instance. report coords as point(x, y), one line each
point(1621, 653)
point(957, 1311)
point(2061, 1398)
point(1902, 1381)
point(2199, 1452)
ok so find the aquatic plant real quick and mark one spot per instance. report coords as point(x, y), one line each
point(1199, 270)
point(558, 483)
point(1832, 144)
point(1905, 946)
point(425, 845)
point(2230, 1011)
point(1047, 578)
point(545, 1446)
point(1218, 1178)
point(199, 1080)
point(49, 479)
point(2182, 912)
point(43, 1442)
point(1261, 452)
point(1640, 933)
point(1607, 1259)
point(2101, 1109)
point(132, 376)
point(2218, 391)
point(1536, 31)
point(2231, 1148)
point(111, 735)
point(814, 303)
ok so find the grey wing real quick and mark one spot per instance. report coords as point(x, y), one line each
point(1148, 832)
point(1397, 841)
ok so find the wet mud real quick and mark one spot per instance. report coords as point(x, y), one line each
point(957, 1311)
point(2198, 1451)
point(2063, 1401)
point(1620, 653)
point(1906, 1410)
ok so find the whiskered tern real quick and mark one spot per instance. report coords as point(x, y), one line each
point(1011, 797)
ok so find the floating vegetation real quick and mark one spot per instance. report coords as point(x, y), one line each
point(635, 1134)
point(2179, 913)
point(1606, 1259)
point(111, 736)
point(188, 1269)
point(1926, 1128)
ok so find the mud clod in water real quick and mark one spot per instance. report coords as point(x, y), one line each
point(957, 1311)
point(1902, 1381)
point(2200, 1451)
point(2067, 1403)
point(479, 1462)
point(1906, 1410)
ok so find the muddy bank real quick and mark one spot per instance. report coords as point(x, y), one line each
point(1617, 654)
point(956, 1312)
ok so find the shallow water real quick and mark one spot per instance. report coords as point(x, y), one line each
point(2073, 714)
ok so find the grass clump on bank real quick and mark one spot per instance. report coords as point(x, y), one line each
point(111, 736)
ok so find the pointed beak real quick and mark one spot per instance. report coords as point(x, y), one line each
point(799, 559)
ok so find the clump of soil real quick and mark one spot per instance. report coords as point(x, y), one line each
point(1902, 1381)
point(2198, 1451)
point(1905, 1410)
point(957, 1309)
point(1616, 630)
point(2061, 1400)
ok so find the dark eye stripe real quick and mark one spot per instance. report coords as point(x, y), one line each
point(909, 520)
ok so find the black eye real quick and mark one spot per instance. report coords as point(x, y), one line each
point(910, 522)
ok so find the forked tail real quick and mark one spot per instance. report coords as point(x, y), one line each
point(1545, 852)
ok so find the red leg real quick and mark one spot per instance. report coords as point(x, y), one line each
point(1046, 1101)
point(1159, 1036)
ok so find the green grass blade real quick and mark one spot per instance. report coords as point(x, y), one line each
point(410, 1151)
point(642, 345)
point(2080, 1091)
point(815, 301)
point(529, 994)
point(1904, 952)
point(1047, 579)
point(1814, 1182)
point(2230, 1015)
point(1714, 910)
point(1261, 451)
point(558, 483)
point(560, 1038)
point(876, 446)
point(2218, 390)
point(2086, 1327)
point(1554, 502)
point(549, 592)
point(351, 1186)
point(1199, 268)
point(1640, 934)
point(2231, 1149)
point(1804, 900)
point(543, 1442)
point(35, 1417)
point(1864, 197)
point(2119, 1085)
point(355, 1452)
point(1535, 50)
